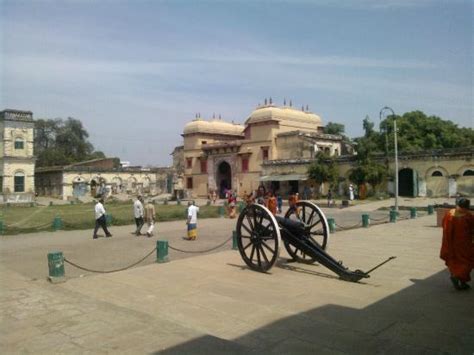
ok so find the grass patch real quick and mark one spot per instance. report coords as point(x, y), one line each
point(18, 219)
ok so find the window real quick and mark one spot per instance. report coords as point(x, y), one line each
point(19, 182)
point(189, 183)
point(468, 173)
point(204, 142)
point(203, 166)
point(245, 165)
point(265, 153)
point(437, 173)
point(189, 163)
point(19, 144)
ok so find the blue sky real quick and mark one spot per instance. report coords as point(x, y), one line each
point(136, 71)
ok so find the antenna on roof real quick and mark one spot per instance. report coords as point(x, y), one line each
point(302, 108)
point(307, 108)
point(284, 101)
point(265, 102)
point(270, 100)
point(291, 103)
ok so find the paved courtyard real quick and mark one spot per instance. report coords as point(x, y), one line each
point(212, 303)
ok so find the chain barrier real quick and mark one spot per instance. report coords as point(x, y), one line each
point(348, 227)
point(41, 226)
point(109, 271)
point(378, 219)
point(200, 251)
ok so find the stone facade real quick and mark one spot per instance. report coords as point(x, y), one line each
point(219, 155)
point(101, 177)
point(17, 161)
point(429, 173)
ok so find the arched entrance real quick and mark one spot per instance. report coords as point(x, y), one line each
point(224, 178)
point(407, 183)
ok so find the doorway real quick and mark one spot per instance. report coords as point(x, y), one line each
point(224, 178)
point(407, 183)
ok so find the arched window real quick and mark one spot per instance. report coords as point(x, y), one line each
point(19, 143)
point(468, 172)
point(19, 182)
point(437, 173)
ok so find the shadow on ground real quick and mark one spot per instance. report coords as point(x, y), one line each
point(428, 317)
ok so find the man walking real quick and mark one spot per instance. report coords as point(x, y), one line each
point(138, 214)
point(100, 220)
point(457, 249)
point(192, 220)
point(150, 218)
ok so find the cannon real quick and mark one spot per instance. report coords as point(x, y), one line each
point(304, 232)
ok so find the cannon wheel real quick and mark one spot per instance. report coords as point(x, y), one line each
point(310, 214)
point(258, 237)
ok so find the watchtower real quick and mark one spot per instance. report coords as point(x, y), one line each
point(17, 162)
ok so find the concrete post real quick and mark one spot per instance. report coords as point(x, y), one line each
point(393, 216)
point(365, 220)
point(234, 240)
point(332, 225)
point(56, 266)
point(57, 223)
point(162, 251)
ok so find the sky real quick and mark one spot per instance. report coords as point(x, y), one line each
point(135, 72)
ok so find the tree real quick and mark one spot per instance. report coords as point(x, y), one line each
point(324, 169)
point(59, 142)
point(334, 128)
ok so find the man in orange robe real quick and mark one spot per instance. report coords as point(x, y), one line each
point(457, 248)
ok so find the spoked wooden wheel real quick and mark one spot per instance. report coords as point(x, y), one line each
point(258, 237)
point(317, 227)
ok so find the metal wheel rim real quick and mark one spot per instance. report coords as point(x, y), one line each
point(309, 211)
point(258, 237)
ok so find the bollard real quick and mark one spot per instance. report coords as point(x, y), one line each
point(234, 240)
point(208, 202)
point(332, 225)
point(50, 203)
point(221, 211)
point(109, 219)
point(165, 202)
point(430, 209)
point(56, 266)
point(413, 212)
point(162, 251)
point(365, 220)
point(71, 202)
point(1, 227)
point(57, 223)
point(393, 216)
point(178, 202)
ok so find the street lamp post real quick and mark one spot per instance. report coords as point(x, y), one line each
point(386, 108)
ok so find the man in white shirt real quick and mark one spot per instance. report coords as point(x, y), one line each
point(192, 220)
point(100, 220)
point(138, 214)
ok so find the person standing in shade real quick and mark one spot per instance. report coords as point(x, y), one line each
point(100, 220)
point(457, 248)
point(138, 214)
point(351, 192)
point(329, 198)
point(192, 220)
point(150, 218)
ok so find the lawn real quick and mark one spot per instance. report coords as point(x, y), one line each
point(17, 219)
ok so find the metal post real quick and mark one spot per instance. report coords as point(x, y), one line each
point(57, 223)
point(393, 216)
point(396, 162)
point(413, 212)
point(430, 209)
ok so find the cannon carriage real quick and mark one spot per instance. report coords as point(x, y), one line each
point(304, 232)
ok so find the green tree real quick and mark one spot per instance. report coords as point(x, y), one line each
point(334, 128)
point(59, 142)
point(324, 169)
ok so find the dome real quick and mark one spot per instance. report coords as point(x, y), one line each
point(213, 127)
point(285, 113)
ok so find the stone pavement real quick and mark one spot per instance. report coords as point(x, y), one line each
point(213, 304)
